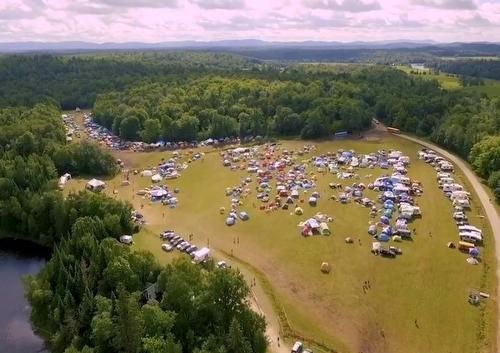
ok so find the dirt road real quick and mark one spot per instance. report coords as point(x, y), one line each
point(272, 328)
point(488, 207)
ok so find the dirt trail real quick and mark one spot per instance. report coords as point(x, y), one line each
point(488, 207)
point(272, 329)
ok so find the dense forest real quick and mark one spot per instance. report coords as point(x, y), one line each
point(481, 68)
point(89, 297)
point(34, 154)
point(75, 81)
point(297, 101)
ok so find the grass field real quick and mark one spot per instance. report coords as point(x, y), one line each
point(446, 81)
point(417, 302)
point(491, 88)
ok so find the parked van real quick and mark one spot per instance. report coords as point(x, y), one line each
point(469, 228)
point(471, 237)
point(297, 347)
point(465, 246)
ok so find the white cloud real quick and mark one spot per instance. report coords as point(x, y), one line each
point(343, 5)
point(165, 20)
point(448, 4)
point(220, 4)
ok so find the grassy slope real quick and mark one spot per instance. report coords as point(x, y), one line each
point(428, 283)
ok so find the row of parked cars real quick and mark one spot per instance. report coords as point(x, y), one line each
point(177, 242)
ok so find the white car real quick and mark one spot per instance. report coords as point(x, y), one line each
point(167, 247)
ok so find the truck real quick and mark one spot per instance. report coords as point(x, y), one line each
point(201, 255)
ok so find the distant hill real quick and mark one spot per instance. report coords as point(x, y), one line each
point(17, 47)
point(400, 51)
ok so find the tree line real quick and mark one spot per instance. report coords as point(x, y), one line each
point(477, 68)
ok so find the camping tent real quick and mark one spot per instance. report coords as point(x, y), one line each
point(126, 239)
point(298, 211)
point(156, 178)
point(324, 229)
point(95, 185)
point(147, 173)
point(474, 252)
point(230, 221)
point(383, 237)
point(313, 201)
point(325, 267)
point(244, 216)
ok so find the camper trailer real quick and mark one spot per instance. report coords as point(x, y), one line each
point(201, 255)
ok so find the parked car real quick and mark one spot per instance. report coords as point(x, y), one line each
point(167, 247)
point(387, 252)
point(221, 264)
point(181, 245)
point(191, 249)
point(178, 241)
point(297, 347)
point(170, 236)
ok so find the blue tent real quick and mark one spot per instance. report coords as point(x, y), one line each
point(383, 237)
point(384, 220)
point(387, 230)
point(230, 221)
point(474, 252)
point(244, 216)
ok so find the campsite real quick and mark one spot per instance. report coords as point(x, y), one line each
point(268, 245)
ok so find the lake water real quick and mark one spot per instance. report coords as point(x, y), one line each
point(17, 259)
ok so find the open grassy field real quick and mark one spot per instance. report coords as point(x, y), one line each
point(451, 82)
point(447, 81)
point(417, 302)
point(491, 88)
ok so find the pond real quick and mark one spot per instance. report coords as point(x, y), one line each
point(17, 258)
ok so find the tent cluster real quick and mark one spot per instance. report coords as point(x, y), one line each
point(317, 225)
point(171, 168)
point(469, 235)
point(279, 175)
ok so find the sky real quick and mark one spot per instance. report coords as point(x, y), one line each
point(272, 20)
